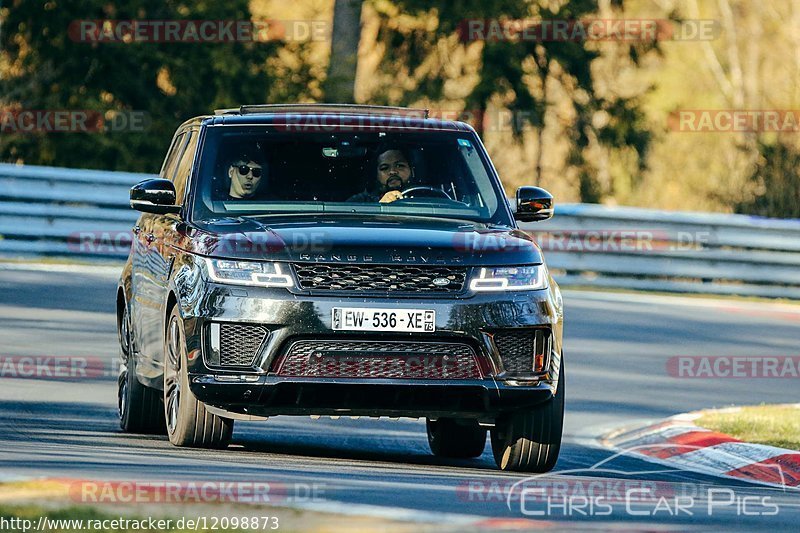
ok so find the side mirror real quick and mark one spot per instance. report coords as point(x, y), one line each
point(533, 204)
point(154, 196)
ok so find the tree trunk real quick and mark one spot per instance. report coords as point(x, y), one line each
point(341, 81)
point(543, 61)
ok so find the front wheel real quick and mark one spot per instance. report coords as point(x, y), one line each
point(188, 422)
point(530, 441)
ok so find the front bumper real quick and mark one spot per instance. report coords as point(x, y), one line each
point(270, 396)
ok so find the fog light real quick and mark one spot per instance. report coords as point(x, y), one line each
point(214, 349)
point(236, 378)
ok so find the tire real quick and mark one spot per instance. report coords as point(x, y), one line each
point(187, 420)
point(139, 407)
point(458, 439)
point(530, 441)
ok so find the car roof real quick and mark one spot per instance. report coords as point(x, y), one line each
point(326, 117)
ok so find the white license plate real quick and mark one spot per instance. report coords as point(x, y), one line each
point(371, 319)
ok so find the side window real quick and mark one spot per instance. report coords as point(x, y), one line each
point(172, 157)
point(185, 165)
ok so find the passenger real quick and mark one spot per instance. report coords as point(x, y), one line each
point(246, 172)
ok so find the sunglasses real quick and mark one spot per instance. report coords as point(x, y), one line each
point(244, 170)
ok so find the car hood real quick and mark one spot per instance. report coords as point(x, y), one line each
point(342, 239)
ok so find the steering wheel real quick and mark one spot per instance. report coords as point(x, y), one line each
point(424, 192)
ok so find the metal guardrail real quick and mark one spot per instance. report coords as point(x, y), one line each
point(44, 211)
point(47, 211)
point(633, 248)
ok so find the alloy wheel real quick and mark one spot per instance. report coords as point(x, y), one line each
point(172, 377)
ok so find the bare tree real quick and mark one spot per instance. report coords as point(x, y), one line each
point(339, 86)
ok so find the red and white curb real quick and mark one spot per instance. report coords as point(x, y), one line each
point(679, 443)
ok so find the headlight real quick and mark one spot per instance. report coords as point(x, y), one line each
point(251, 273)
point(523, 278)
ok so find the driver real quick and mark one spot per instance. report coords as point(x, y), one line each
point(392, 176)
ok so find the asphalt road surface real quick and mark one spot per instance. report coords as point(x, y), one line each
point(617, 347)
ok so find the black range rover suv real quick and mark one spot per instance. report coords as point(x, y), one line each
point(340, 260)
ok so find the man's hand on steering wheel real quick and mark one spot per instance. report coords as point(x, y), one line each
point(391, 196)
point(411, 192)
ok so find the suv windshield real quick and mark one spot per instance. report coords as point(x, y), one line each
point(260, 171)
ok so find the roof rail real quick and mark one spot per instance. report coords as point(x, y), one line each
point(350, 109)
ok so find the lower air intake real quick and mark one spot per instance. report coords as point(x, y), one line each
point(385, 359)
point(239, 344)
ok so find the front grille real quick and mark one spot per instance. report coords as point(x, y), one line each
point(517, 348)
point(380, 278)
point(379, 359)
point(239, 344)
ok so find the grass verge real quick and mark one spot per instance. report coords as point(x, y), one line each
point(774, 425)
